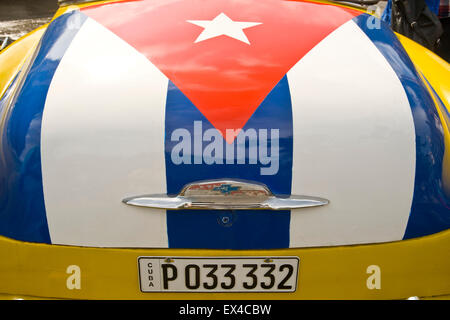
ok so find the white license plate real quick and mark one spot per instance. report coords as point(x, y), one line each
point(218, 274)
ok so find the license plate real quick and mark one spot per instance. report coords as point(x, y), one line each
point(218, 274)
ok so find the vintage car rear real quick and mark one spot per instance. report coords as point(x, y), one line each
point(168, 149)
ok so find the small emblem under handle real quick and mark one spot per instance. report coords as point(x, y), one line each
point(225, 195)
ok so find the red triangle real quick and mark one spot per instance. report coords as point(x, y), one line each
point(226, 79)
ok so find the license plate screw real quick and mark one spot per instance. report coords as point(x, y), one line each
point(168, 260)
point(268, 260)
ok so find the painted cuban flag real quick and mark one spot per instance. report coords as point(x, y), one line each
point(144, 97)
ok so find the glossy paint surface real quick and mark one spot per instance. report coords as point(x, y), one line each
point(430, 210)
point(114, 103)
point(22, 208)
point(117, 111)
point(247, 229)
point(436, 71)
point(224, 78)
point(12, 58)
point(353, 144)
point(412, 267)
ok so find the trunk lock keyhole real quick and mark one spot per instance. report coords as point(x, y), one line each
point(226, 218)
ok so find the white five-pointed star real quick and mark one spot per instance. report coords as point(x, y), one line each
point(222, 25)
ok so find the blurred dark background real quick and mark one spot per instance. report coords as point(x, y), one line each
point(26, 9)
point(18, 17)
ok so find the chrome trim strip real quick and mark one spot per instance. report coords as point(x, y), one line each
point(225, 195)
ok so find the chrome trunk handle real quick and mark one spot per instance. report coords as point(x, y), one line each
point(225, 195)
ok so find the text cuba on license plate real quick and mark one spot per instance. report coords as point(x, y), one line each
point(218, 274)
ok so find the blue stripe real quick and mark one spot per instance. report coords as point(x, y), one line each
point(428, 214)
point(443, 196)
point(260, 229)
point(22, 209)
point(438, 99)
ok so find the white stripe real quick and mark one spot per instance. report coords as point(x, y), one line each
point(354, 143)
point(102, 141)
